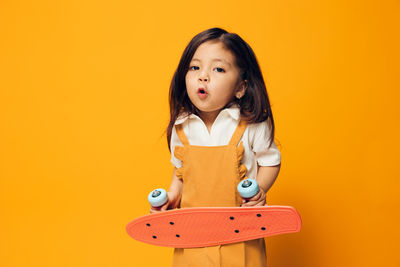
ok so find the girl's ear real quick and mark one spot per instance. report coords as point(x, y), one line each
point(241, 89)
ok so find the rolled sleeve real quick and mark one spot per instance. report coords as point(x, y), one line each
point(175, 142)
point(265, 156)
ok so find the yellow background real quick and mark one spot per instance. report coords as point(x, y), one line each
point(83, 107)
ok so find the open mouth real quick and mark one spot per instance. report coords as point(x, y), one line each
point(202, 91)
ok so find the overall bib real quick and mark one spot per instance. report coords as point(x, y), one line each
point(210, 175)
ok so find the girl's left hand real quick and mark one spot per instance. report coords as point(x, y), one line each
point(258, 200)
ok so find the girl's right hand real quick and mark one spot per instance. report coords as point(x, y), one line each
point(174, 195)
point(158, 209)
point(171, 203)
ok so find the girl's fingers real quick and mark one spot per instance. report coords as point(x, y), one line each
point(165, 206)
point(252, 200)
point(262, 203)
point(162, 208)
point(256, 197)
point(249, 204)
point(254, 203)
point(259, 201)
point(152, 210)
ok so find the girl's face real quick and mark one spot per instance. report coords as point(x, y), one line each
point(212, 80)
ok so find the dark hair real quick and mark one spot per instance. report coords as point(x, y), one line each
point(254, 105)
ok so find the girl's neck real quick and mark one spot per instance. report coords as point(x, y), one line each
point(209, 118)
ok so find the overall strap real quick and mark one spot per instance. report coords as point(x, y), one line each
point(238, 133)
point(181, 135)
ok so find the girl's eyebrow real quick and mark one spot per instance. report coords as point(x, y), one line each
point(214, 59)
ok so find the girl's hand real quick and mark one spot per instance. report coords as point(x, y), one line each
point(172, 203)
point(258, 200)
point(174, 195)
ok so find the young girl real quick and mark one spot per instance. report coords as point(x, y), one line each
point(221, 131)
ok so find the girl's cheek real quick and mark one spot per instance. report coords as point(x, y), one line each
point(189, 79)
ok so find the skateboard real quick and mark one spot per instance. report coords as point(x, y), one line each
point(206, 226)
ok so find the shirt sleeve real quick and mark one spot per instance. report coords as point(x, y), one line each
point(175, 142)
point(265, 156)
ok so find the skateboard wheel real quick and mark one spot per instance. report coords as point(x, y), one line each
point(158, 197)
point(248, 188)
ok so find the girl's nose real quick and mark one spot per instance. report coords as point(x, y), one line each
point(203, 77)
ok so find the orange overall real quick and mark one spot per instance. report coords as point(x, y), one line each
point(210, 175)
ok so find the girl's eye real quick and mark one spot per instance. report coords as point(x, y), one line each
point(197, 68)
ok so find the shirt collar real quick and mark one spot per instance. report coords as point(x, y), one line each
point(233, 111)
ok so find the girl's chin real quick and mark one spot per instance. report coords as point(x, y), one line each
point(206, 108)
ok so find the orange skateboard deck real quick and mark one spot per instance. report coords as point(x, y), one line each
point(203, 227)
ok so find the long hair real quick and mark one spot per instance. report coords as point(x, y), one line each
point(254, 105)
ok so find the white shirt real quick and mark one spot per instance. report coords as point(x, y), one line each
point(255, 138)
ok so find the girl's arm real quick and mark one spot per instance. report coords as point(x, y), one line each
point(266, 176)
point(174, 194)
